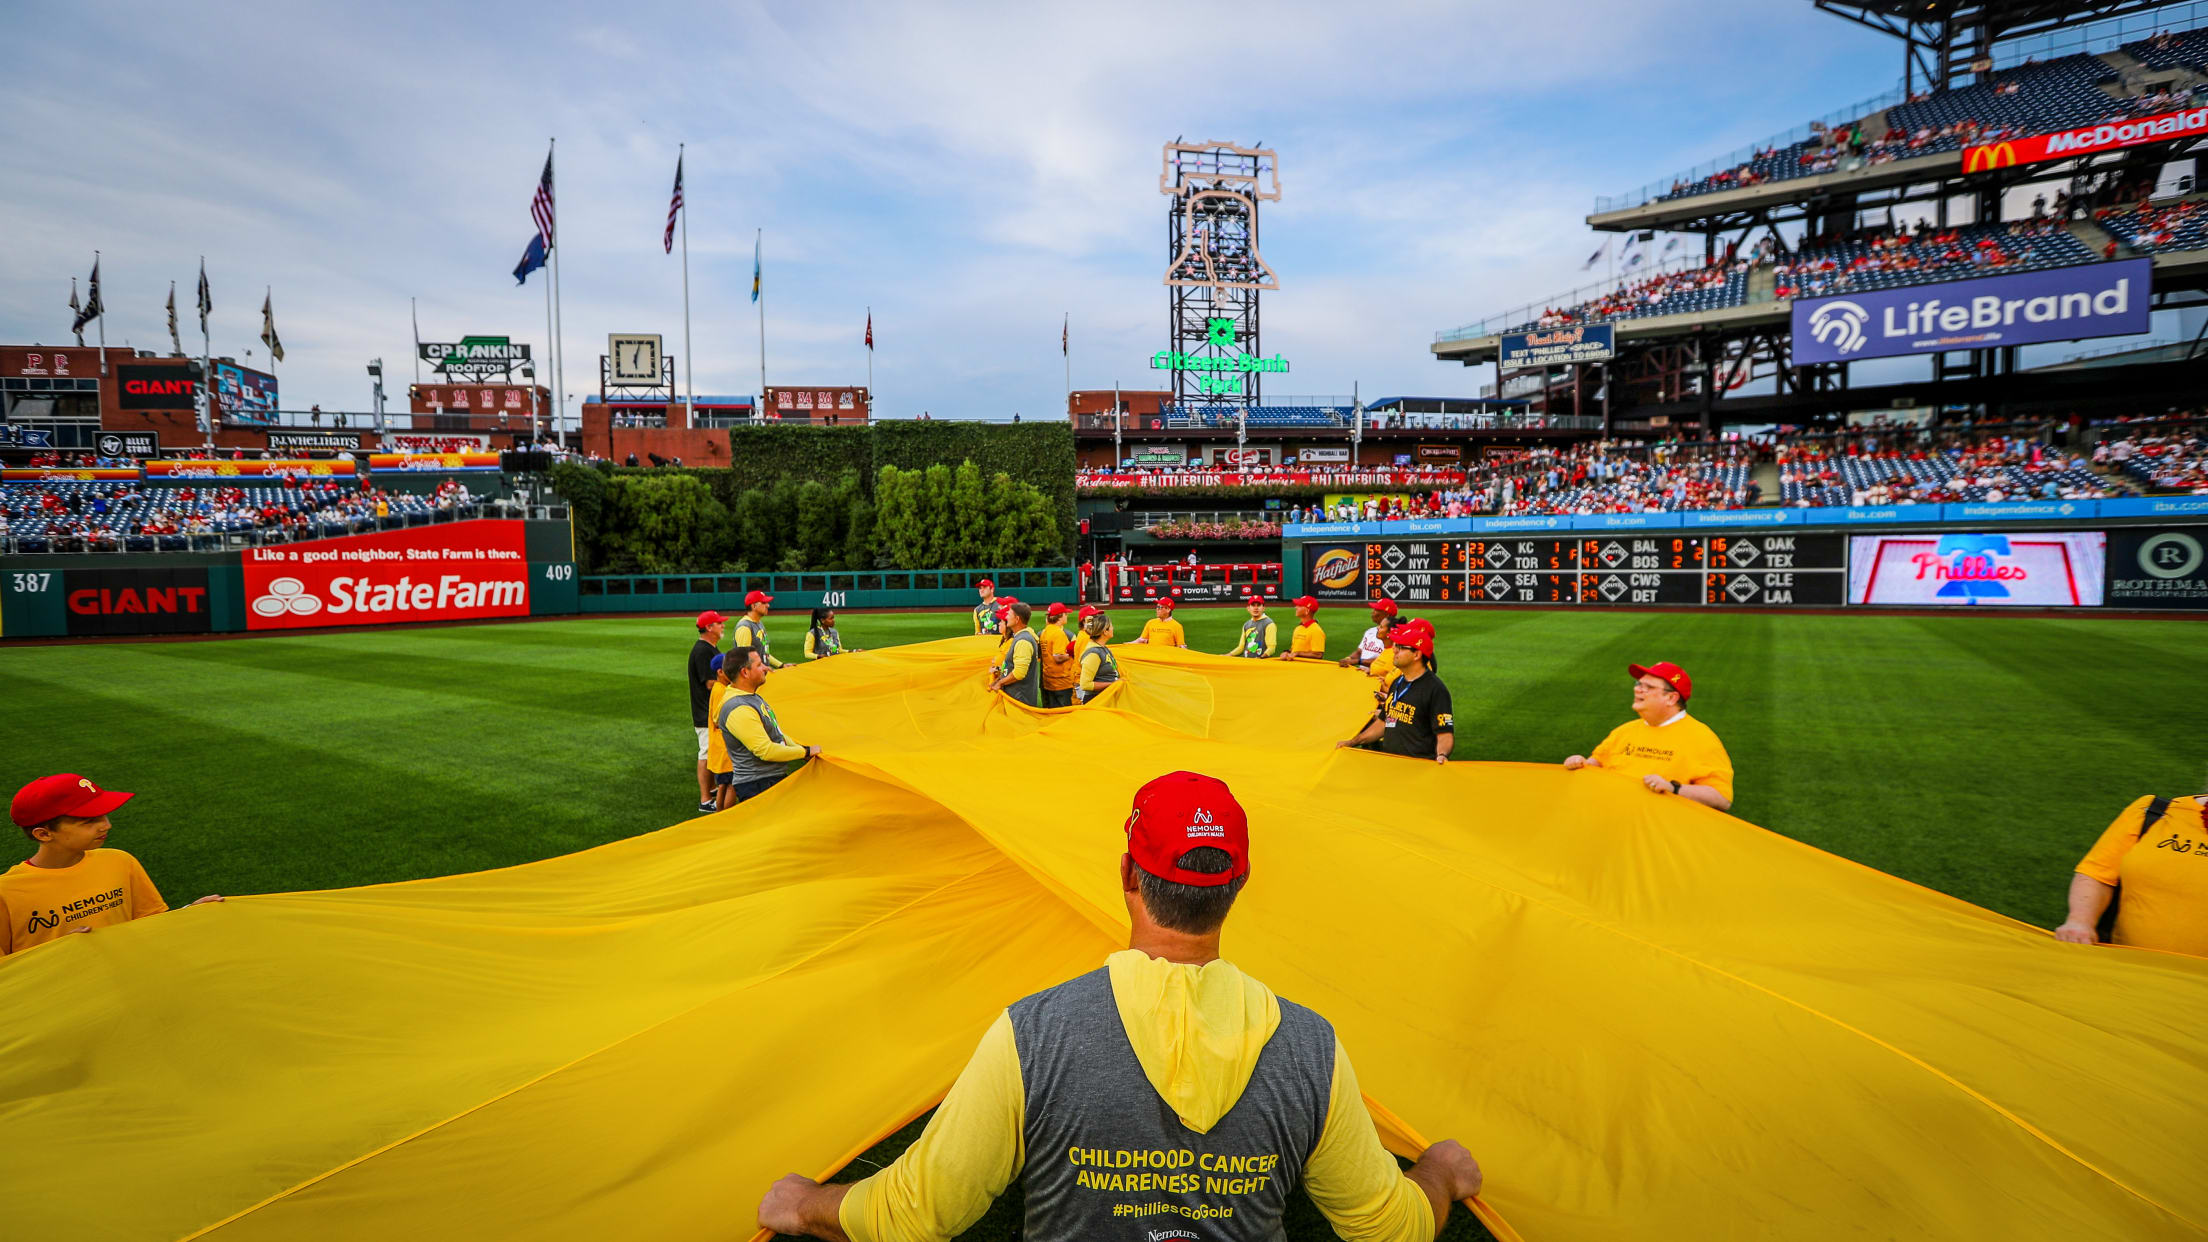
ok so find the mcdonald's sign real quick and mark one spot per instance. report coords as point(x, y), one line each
point(2086, 140)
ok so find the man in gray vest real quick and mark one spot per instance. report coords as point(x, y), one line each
point(759, 756)
point(1022, 675)
point(1166, 1094)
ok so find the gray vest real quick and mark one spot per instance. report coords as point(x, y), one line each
point(1107, 665)
point(758, 634)
point(1255, 632)
point(1027, 689)
point(743, 765)
point(1107, 1158)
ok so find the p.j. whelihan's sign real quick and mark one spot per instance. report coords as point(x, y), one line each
point(1219, 373)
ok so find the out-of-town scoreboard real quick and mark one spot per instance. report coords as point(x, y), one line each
point(1748, 570)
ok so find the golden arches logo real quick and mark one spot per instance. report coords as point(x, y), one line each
point(1998, 155)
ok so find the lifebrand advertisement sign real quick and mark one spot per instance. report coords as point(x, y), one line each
point(456, 571)
point(2028, 308)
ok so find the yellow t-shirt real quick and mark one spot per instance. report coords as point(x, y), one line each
point(105, 888)
point(1308, 639)
point(1058, 675)
point(997, 662)
point(716, 742)
point(2163, 874)
point(1164, 632)
point(1684, 750)
point(1383, 667)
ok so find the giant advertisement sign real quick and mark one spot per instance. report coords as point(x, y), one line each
point(2050, 570)
point(2029, 308)
point(2086, 140)
point(155, 385)
point(2150, 568)
point(137, 601)
point(1555, 347)
point(457, 571)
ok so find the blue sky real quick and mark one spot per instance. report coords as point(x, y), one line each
point(972, 174)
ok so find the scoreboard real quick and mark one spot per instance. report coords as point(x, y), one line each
point(1750, 571)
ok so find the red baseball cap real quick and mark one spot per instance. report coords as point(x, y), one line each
point(1182, 811)
point(1090, 610)
point(1670, 674)
point(1167, 601)
point(1305, 601)
point(1417, 635)
point(1056, 610)
point(986, 584)
point(65, 793)
point(709, 617)
point(1384, 605)
point(757, 597)
point(1252, 597)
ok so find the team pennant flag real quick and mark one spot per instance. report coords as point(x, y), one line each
point(76, 312)
point(870, 329)
point(92, 309)
point(206, 297)
point(173, 341)
point(268, 328)
point(755, 269)
point(531, 260)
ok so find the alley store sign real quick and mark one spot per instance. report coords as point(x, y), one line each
point(475, 355)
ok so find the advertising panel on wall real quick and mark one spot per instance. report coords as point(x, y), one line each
point(1174, 455)
point(155, 385)
point(380, 463)
point(456, 571)
point(2015, 570)
point(332, 467)
point(128, 444)
point(1555, 347)
point(2086, 140)
point(1337, 570)
point(1756, 570)
point(1323, 455)
point(348, 441)
point(1240, 458)
point(2060, 304)
point(137, 601)
point(244, 396)
point(2158, 568)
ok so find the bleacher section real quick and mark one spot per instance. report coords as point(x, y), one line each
point(1260, 416)
point(2152, 230)
point(1891, 260)
point(55, 515)
point(2031, 98)
point(1674, 293)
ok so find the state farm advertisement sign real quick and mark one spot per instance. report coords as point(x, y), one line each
point(459, 571)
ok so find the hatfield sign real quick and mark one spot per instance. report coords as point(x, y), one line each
point(457, 571)
point(2029, 308)
point(2086, 140)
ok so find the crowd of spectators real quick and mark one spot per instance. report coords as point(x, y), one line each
point(1881, 257)
point(100, 516)
point(1668, 291)
point(2175, 459)
point(1947, 468)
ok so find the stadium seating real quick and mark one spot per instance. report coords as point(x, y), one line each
point(2151, 230)
point(67, 514)
point(1886, 261)
point(2174, 462)
point(1259, 416)
point(1684, 292)
point(2030, 98)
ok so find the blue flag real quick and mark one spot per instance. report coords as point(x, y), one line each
point(531, 260)
point(755, 267)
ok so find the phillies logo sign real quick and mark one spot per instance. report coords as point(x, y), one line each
point(455, 572)
point(1970, 567)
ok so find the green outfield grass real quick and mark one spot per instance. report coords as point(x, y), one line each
point(1979, 755)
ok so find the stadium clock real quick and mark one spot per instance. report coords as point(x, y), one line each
point(633, 360)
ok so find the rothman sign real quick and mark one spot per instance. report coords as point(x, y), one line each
point(2029, 308)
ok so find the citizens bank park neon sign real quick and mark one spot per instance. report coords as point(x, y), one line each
point(2086, 140)
point(1221, 373)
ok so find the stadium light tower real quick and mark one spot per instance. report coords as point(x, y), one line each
point(1213, 269)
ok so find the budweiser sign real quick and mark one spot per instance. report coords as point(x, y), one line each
point(458, 571)
point(2086, 140)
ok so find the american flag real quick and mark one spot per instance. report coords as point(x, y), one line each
point(540, 207)
point(674, 207)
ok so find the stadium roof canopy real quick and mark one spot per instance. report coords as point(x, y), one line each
point(1942, 37)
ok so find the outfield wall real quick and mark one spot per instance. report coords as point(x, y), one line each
point(2142, 554)
point(888, 588)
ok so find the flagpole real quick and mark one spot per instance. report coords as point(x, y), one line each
point(414, 311)
point(689, 382)
point(559, 318)
point(549, 355)
point(102, 316)
point(759, 286)
point(1065, 342)
point(870, 364)
point(206, 360)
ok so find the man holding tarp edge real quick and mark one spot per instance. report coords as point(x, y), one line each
point(1166, 1086)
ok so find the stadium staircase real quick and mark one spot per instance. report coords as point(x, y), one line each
point(1766, 478)
point(1763, 284)
point(2095, 238)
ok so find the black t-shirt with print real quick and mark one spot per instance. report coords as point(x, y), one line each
point(1417, 712)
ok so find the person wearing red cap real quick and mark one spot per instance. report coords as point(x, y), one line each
point(1021, 677)
point(1669, 751)
point(1260, 636)
point(72, 883)
point(1061, 674)
point(1375, 642)
point(751, 628)
point(702, 653)
point(1416, 719)
point(1099, 667)
point(1165, 1084)
point(1163, 630)
point(1081, 639)
point(986, 618)
point(1307, 641)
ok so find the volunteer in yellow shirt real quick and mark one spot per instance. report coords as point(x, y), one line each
point(1162, 630)
point(2155, 856)
point(1060, 674)
point(751, 628)
point(1081, 639)
point(1670, 751)
point(1169, 1050)
point(73, 883)
point(717, 765)
point(1307, 641)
